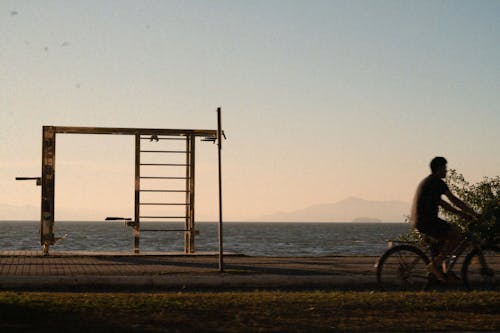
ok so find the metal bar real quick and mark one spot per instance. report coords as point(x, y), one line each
point(156, 138)
point(163, 204)
point(164, 177)
point(163, 217)
point(170, 230)
point(163, 164)
point(187, 236)
point(38, 179)
point(164, 191)
point(219, 146)
point(191, 170)
point(137, 198)
point(164, 151)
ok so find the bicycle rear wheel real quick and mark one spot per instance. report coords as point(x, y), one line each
point(403, 268)
point(482, 272)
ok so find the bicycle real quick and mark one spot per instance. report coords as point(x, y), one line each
point(404, 267)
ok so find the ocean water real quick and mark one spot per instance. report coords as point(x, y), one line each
point(250, 238)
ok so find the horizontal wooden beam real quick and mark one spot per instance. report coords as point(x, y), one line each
point(133, 131)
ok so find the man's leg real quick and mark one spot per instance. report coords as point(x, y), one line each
point(450, 244)
point(440, 230)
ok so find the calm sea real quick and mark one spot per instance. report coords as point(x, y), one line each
point(250, 238)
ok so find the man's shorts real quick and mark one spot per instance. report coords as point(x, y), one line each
point(436, 228)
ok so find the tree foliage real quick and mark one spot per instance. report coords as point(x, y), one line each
point(483, 197)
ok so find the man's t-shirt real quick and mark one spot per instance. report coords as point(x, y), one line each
point(426, 203)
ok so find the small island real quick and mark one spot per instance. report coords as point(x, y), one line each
point(366, 219)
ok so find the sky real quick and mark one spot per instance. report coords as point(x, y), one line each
point(321, 100)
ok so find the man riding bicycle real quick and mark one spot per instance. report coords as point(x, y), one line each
point(425, 211)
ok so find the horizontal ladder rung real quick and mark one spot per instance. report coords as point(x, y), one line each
point(164, 164)
point(164, 177)
point(166, 191)
point(164, 217)
point(165, 151)
point(164, 230)
point(159, 138)
point(163, 204)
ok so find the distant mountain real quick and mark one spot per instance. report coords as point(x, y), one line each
point(347, 210)
point(366, 219)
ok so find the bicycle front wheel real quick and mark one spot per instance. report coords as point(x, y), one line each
point(403, 268)
point(481, 269)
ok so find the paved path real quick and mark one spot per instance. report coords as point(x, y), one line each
point(148, 272)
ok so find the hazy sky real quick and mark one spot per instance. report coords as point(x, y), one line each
point(321, 100)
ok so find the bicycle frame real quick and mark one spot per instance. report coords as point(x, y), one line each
point(469, 241)
point(451, 259)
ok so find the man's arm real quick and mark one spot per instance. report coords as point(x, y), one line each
point(464, 210)
point(445, 205)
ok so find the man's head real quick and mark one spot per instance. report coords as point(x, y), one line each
point(438, 166)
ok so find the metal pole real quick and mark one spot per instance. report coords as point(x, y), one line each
point(189, 234)
point(137, 192)
point(219, 144)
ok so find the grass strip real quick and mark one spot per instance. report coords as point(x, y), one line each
point(258, 311)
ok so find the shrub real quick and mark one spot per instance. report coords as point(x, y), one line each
point(483, 197)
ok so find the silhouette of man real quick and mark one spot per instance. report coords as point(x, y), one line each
point(424, 217)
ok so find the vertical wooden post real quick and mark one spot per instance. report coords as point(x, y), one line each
point(219, 146)
point(137, 192)
point(48, 188)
